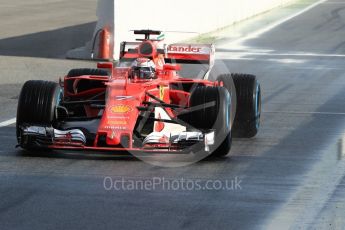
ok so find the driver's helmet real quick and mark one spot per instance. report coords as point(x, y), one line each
point(143, 68)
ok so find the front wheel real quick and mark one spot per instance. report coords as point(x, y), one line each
point(36, 106)
point(214, 114)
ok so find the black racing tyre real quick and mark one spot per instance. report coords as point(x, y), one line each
point(81, 72)
point(248, 109)
point(213, 115)
point(36, 106)
point(84, 85)
point(227, 81)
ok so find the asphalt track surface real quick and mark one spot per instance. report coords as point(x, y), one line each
point(291, 176)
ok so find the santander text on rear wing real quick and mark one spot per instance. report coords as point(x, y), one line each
point(190, 53)
point(203, 54)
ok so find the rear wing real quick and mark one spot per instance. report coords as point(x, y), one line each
point(202, 54)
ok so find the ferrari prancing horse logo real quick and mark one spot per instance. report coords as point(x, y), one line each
point(161, 92)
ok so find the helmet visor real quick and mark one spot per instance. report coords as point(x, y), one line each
point(143, 72)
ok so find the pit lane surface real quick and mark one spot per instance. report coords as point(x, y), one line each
point(290, 176)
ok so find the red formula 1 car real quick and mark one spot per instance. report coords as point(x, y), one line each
point(141, 104)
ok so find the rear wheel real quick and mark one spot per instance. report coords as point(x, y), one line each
point(36, 106)
point(214, 114)
point(248, 109)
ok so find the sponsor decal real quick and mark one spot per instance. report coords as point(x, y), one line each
point(184, 49)
point(120, 109)
point(113, 135)
point(123, 98)
point(109, 127)
point(123, 122)
point(120, 117)
point(161, 92)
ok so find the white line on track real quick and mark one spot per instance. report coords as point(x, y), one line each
point(8, 122)
point(223, 54)
point(313, 113)
point(333, 3)
point(276, 24)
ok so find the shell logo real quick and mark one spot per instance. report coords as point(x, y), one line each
point(121, 109)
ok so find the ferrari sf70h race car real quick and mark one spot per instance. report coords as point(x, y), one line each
point(142, 104)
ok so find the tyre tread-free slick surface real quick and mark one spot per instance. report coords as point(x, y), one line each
point(36, 106)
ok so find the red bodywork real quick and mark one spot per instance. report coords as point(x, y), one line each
point(125, 97)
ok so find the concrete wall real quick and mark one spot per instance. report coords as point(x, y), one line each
point(176, 15)
point(106, 18)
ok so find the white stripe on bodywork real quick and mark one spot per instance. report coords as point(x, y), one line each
point(168, 127)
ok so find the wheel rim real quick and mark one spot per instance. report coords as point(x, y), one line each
point(257, 106)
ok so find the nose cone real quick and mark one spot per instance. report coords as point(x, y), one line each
point(118, 122)
point(113, 138)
